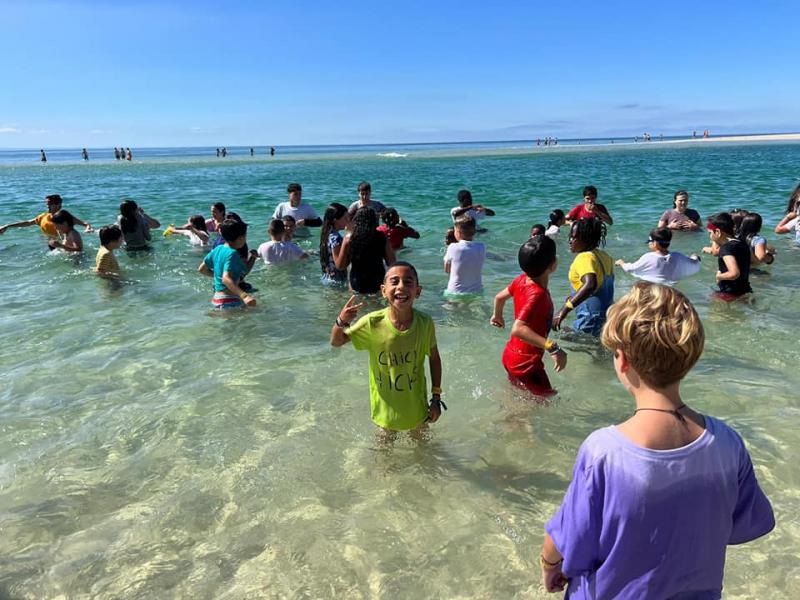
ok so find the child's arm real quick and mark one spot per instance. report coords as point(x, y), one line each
point(713, 249)
point(233, 287)
point(388, 254)
point(521, 330)
point(27, 223)
point(779, 228)
point(204, 270)
point(588, 288)
point(551, 561)
point(499, 303)
point(488, 211)
point(435, 364)
point(87, 228)
point(346, 315)
point(151, 222)
point(733, 269)
point(73, 242)
point(410, 231)
point(342, 258)
point(762, 255)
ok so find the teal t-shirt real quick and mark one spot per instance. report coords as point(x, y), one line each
point(224, 259)
point(397, 386)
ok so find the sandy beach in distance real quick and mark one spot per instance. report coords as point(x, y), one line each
point(766, 137)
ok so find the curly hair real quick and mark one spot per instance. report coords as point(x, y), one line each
point(591, 232)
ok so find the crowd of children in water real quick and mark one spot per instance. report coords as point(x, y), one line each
point(653, 501)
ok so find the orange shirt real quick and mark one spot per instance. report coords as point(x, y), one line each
point(45, 223)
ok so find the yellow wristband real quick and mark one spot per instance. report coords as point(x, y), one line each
point(243, 295)
point(569, 304)
point(548, 345)
point(436, 391)
point(547, 565)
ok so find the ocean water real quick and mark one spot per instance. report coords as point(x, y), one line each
point(150, 449)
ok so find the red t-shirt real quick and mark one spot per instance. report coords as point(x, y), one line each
point(580, 212)
point(396, 235)
point(532, 304)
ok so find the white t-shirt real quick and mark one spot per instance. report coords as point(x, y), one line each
point(794, 224)
point(466, 262)
point(660, 268)
point(304, 211)
point(552, 231)
point(275, 253)
point(375, 205)
point(478, 215)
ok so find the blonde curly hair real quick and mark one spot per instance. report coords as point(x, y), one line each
point(659, 331)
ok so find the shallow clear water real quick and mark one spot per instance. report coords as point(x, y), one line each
point(149, 449)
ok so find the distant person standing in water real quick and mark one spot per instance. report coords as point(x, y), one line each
point(224, 152)
point(272, 151)
point(85, 154)
point(217, 152)
point(365, 199)
point(116, 153)
point(128, 154)
point(44, 156)
point(252, 152)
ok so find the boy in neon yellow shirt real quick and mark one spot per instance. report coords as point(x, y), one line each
point(398, 339)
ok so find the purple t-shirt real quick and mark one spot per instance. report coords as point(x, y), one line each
point(672, 214)
point(640, 523)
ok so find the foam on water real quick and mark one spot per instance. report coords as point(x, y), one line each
point(149, 450)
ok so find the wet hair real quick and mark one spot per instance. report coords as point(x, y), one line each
point(536, 255)
point(333, 213)
point(677, 195)
point(722, 221)
point(450, 237)
point(198, 222)
point(57, 199)
point(465, 223)
point(288, 219)
point(590, 190)
point(129, 222)
point(64, 217)
point(662, 236)
point(464, 198)
point(365, 222)
point(402, 263)
point(592, 232)
point(364, 186)
point(737, 214)
point(793, 199)
point(234, 216)
point(219, 206)
point(556, 216)
point(232, 229)
point(538, 229)
point(294, 187)
point(109, 234)
point(390, 216)
point(276, 227)
point(751, 225)
point(659, 331)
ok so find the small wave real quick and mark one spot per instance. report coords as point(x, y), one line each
point(392, 155)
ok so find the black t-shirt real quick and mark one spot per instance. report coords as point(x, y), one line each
point(741, 253)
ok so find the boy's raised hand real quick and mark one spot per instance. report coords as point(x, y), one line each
point(350, 310)
point(498, 321)
point(560, 360)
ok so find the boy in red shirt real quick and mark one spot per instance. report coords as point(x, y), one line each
point(590, 209)
point(533, 316)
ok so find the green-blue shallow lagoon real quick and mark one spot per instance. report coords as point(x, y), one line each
point(150, 449)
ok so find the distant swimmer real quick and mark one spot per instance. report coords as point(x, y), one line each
point(128, 154)
point(272, 151)
point(44, 156)
point(217, 152)
point(224, 152)
point(252, 152)
point(116, 153)
point(85, 154)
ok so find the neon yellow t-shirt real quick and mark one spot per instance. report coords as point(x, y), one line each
point(595, 261)
point(398, 389)
point(45, 223)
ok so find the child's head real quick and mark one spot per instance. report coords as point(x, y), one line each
point(289, 225)
point(737, 214)
point(365, 221)
point(128, 209)
point(198, 222)
point(295, 191)
point(587, 234)
point(537, 256)
point(335, 217)
point(218, 211)
point(450, 236)
point(660, 238)
point(391, 217)
point(464, 228)
point(364, 190)
point(53, 202)
point(681, 197)
point(658, 331)
point(64, 221)
point(234, 232)
point(538, 229)
point(276, 230)
point(720, 225)
point(751, 225)
point(589, 194)
point(557, 217)
point(110, 237)
point(401, 285)
point(794, 199)
point(464, 198)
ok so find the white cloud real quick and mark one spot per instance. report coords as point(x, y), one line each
point(100, 131)
point(6, 129)
point(39, 131)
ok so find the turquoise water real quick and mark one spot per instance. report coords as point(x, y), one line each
point(152, 450)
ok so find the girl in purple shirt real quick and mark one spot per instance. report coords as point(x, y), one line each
point(654, 501)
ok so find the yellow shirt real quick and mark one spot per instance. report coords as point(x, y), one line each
point(595, 261)
point(105, 261)
point(45, 223)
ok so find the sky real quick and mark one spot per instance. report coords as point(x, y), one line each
point(101, 74)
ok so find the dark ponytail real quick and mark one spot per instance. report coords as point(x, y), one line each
point(333, 213)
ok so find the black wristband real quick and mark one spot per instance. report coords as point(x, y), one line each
point(341, 324)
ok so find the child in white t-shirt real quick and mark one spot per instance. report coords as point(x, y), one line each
point(279, 250)
point(660, 265)
point(464, 260)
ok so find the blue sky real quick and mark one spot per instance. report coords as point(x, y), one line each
point(274, 73)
